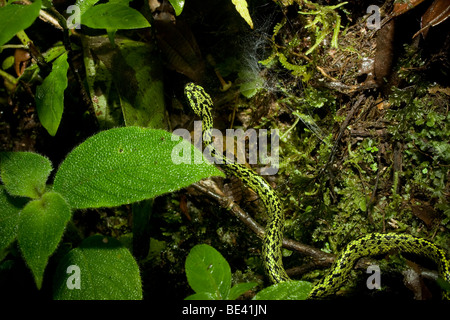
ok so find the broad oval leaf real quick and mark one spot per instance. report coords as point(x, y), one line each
point(207, 271)
point(14, 18)
point(289, 290)
point(100, 269)
point(113, 16)
point(50, 95)
point(24, 173)
point(125, 165)
point(41, 226)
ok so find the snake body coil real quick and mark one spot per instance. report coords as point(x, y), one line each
point(372, 244)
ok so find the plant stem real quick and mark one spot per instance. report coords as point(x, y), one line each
point(8, 77)
point(23, 38)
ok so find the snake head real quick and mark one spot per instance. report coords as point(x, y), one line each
point(199, 100)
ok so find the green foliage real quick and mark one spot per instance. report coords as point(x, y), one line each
point(84, 5)
point(178, 5)
point(107, 269)
point(113, 16)
point(241, 7)
point(297, 70)
point(420, 121)
point(321, 21)
point(24, 173)
point(302, 70)
point(123, 81)
point(209, 275)
point(41, 226)
point(14, 18)
point(125, 165)
point(327, 195)
point(114, 167)
point(40, 223)
point(251, 83)
point(318, 98)
point(326, 20)
point(290, 290)
point(9, 217)
point(50, 95)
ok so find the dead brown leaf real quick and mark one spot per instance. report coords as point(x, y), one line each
point(438, 12)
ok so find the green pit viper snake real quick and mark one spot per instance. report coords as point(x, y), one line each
point(371, 244)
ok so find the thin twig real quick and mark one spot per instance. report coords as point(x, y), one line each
point(46, 17)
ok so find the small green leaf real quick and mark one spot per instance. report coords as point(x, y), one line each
point(9, 217)
point(125, 165)
point(41, 226)
point(14, 18)
point(178, 5)
point(107, 271)
point(241, 288)
point(289, 290)
point(113, 16)
point(50, 95)
point(208, 271)
point(24, 173)
point(362, 203)
point(8, 63)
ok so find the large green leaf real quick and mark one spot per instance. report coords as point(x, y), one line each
point(125, 165)
point(41, 226)
point(14, 18)
point(289, 290)
point(50, 95)
point(9, 217)
point(24, 173)
point(106, 271)
point(207, 271)
point(113, 16)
